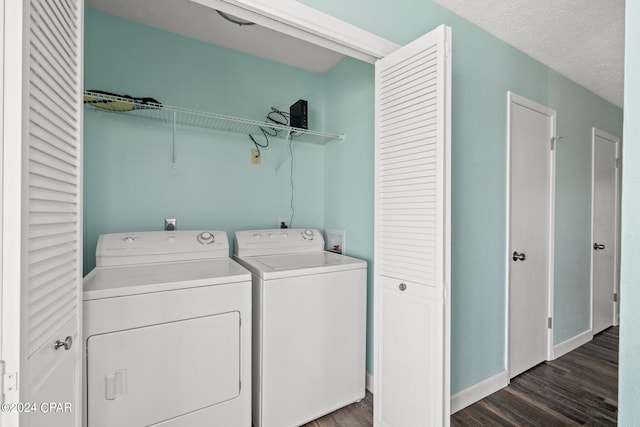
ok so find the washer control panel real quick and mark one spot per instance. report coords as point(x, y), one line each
point(160, 246)
point(277, 241)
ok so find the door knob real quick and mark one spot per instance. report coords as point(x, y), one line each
point(66, 344)
point(597, 246)
point(516, 256)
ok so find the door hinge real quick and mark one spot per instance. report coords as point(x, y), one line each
point(554, 140)
point(549, 322)
point(8, 381)
point(615, 297)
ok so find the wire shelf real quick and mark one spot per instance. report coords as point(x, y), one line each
point(202, 119)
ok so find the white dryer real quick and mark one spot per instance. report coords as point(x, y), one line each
point(167, 330)
point(309, 322)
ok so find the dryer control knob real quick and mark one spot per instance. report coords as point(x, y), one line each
point(307, 234)
point(128, 239)
point(205, 238)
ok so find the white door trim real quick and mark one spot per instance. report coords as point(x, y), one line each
point(513, 98)
point(12, 199)
point(595, 132)
point(306, 23)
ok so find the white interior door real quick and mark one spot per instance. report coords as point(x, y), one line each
point(605, 199)
point(42, 226)
point(531, 135)
point(412, 233)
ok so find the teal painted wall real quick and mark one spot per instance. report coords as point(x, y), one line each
point(484, 69)
point(348, 167)
point(129, 184)
point(629, 375)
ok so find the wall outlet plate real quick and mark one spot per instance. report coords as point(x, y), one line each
point(170, 224)
point(335, 241)
point(255, 156)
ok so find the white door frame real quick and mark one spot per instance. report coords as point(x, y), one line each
point(311, 25)
point(595, 132)
point(286, 16)
point(513, 98)
point(12, 159)
point(302, 22)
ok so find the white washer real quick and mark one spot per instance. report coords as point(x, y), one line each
point(167, 329)
point(309, 317)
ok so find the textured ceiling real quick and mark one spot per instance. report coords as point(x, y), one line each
point(203, 23)
point(581, 39)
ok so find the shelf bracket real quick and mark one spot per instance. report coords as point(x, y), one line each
point(173, 143)
point(285, 149)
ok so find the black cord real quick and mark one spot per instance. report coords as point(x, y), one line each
point(293, 211)
point(277, 117)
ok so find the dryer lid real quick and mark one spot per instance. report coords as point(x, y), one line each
point(119, 281)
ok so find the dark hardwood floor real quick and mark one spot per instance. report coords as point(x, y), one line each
point(579, 388)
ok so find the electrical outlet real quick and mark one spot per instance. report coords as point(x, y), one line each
point(170, 224)
point(255, 156)
point(336, 240)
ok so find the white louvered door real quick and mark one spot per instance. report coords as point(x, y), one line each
point(48, 217)
point(412, 233)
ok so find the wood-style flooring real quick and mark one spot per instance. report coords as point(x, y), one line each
point(579, 388)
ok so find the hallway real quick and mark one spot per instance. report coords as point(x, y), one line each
point(579, 388)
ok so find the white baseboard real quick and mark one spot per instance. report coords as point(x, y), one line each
point(479, 391)
point(572, 343)
point(369, 382)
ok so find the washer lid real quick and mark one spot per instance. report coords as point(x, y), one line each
point(108, 282)
point(289, 265)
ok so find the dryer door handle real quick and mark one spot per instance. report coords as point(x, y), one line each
point(116, 384)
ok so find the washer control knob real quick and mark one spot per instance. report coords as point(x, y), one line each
point(205, 238)
point(307, 234)
point(129, 239)
point(257, 236)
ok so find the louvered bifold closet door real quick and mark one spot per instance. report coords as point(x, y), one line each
point(412, 211)
point(53, 231)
